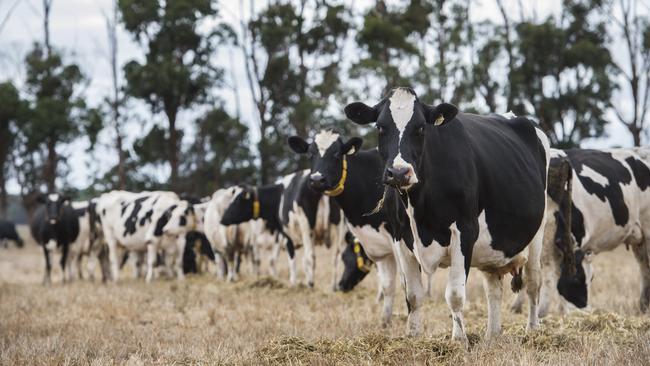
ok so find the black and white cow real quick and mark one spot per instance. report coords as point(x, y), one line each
point(475, 194)
point(54, 226)
point(610, 207)
point(354, 179)
point(8, 233)
point(294, 212)
point(145, 223)
point(232, 242)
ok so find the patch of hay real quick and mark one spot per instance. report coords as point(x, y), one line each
point(374, 348)
point(266, 282)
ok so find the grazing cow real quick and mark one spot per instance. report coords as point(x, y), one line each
point(232, 242)
point(610, 207)
point(54, 225)
point(356, 263)
point(197, 247)
point(293, 211)
point(145, 222)
point(354, 179)
point(8, 233)
point(474, 188)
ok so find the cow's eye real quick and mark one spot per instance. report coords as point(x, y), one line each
point(380, 130)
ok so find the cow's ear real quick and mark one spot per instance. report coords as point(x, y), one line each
point(352, 146)
point(361, 113)
point(442, 113)
point(298, 144)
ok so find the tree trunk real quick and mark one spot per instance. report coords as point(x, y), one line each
point(50, 166)
point(121, 171)
point(3, 191)
point(47, 6)
point(173, 150)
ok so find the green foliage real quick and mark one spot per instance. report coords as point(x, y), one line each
point(300, 79)
point(177, 72)
point(565, 73)
point(220, 155)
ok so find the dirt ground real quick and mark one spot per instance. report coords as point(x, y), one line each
point(203, 320)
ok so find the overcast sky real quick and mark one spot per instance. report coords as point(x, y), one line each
point(78, 29)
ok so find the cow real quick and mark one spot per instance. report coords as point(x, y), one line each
point(354, 179)
point(87, 244)
point(145, 223)
point(230, 241)
point(8, 233)
point(610, 206)
point(296, 214)
point(356, 264)
point(54, 226)
point(474, 189)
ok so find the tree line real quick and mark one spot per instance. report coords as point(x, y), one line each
point(303, 60)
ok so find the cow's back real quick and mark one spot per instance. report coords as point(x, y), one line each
point(611, 199)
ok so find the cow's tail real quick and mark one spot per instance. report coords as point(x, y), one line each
point(564, 227)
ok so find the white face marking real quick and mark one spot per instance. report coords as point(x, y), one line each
point(316, 175)
point(402, 104)
point(53, 197)
point(324, 140)
point(593, 175)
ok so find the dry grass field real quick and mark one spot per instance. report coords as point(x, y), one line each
point(262, 321)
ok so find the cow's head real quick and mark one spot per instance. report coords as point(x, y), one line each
point(245, 206)
point(328, 159)
point(54, 206)
point(356, 264)
point(181, 220)
point(402, 122)
point(574, 287)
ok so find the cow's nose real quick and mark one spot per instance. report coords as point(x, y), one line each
point(397, 176)
point(317, 182)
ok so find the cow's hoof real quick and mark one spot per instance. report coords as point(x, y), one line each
point(310, 284)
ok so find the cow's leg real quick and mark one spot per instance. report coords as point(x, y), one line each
point(79, 265)
point(337, 255)
point(180, 250)
point(309, 258)
point(232, 267)
point(429, 284)
point(152, 255)
point(548, 291)
point(493, 285)
point(291, 253)
point(455, 291)
point(64, 260)
point(518, 302)
point(47, 278)
point(387, 269)
point(139, 259)
point(415, 291)
point(642, 255)
point(275, 252)
point(113, 259)
point(532, 276)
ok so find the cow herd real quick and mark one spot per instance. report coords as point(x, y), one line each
point(442, 189)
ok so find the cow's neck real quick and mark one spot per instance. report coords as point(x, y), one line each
point(363, 188)
point(270, 197)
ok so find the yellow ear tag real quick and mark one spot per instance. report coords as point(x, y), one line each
point(256, 209)
point(360, 263)
point(439, 120)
